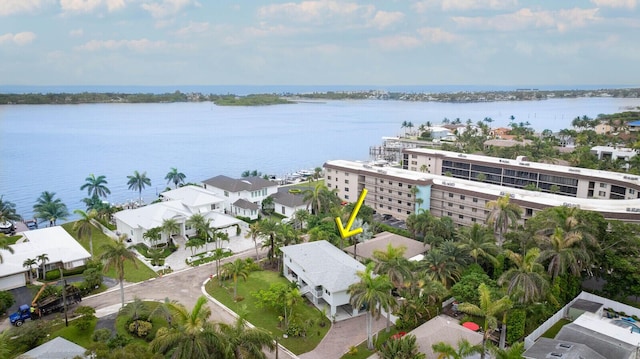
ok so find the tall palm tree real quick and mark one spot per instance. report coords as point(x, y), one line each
point(245, 342)
point(138, 182)
point(268, 227)
point(526, 280)
point(8, 211)
point(28, 263)
point(49, 208)
point(489, 309)
point(440, 267)
point(96, 186)
point(254, 233)
point(175, 177)
point(464, 349)
point(393, 263)
point(84, 226)
point(479, 242)
point(192, 335)
point(235, 270)
point(115, 255)
point(503, 215)
point(373, 293)
point(320, 198)
point(43, 259)
point(4, 245)
point(563, 253)
point(171, 226)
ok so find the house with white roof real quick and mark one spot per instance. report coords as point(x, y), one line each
point(242, 197)
point(324, 274)
point(179, 204)
point(60, 247)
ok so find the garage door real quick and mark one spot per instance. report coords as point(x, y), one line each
point(13, 281)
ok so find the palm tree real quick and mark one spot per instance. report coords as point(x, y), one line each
point(138, 182)
point(489, 309)
point(115, 255)
point(84, 226)
point(8, 211)
point(564, 253)
point(254, 233)
point(402, 348)
point(464, 349)
point(503, 215)
point(43, 259)
point(4, 245)
point(175, 177)
point(440, 267)
point(269, 228)
point(316, 173)
point(393, 263)
point(96, 186)
point(245, 342)
point(320, 198)
point(28, 263)
point(49, 208)
point(479, 242)
point(192, 336)
point(170, 226)
point(373, 293)
point(514, 352)
point(234, 270)
point(526, 279)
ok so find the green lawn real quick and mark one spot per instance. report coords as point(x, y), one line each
point(551, 333)
point(265, 317)
point(73, 334)
point(156, 321)
point(131, 273)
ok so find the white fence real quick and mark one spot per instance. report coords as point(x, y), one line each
point(562, 313)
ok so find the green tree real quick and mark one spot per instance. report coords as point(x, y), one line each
point(525, 280)
point(235, 270)
point(463, 350)
point(43, 259)
point(440, 267)
point(488, 309)
point(28, 263)
point(479, 242)
point(405, 347)
point(372, 293)
point(503, 215)
point(84, 226)
point(269, 228)
point(137, 182)
point(254, 233)
point(175, 177)
point(245, 342)
point(8, 211)
point(96, 186)
point(169, 227)
point(192, 335)
point(514, 352)
point(393, 263)
point(563, 253)
point(49, 208)
point(114, 256)
point(4, 245)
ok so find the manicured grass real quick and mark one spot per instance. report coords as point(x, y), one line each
point(157, 322)
point(131, 273)
point(74, 334)
point(265, 317)
point(551, 333)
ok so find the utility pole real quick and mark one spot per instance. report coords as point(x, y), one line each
point(64, 297)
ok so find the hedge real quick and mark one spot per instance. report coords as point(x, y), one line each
point(515, 325)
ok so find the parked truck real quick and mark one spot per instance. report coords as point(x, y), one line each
point(46, 305)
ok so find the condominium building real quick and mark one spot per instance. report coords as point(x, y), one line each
point(401, 192)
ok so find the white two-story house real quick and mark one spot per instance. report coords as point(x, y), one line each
point(242, 197)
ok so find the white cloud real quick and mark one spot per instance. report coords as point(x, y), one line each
point(316, 11)
point(193, 28)
point(397, 42)
point(141, 45)
point(628, 4)
point(166, 8)
point(89, 6)
point(384, 19)
point(10, 7)
point(436, 35)
point(21, 38)
point(526, 18)
point(463, 5)
point(76, 33)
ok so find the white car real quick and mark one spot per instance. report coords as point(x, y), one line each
point(7, 227)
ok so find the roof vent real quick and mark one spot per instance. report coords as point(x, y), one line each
point(554, 355)
point(565, 345)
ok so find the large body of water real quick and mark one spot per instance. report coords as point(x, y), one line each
point(55, 147)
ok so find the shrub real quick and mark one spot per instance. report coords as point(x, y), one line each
point(141, 328)
point(516, 321)
point(101, 335)
point(6, 301)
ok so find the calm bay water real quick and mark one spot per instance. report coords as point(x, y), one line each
point(55, 147)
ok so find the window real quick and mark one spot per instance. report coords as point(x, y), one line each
point(409, 186)
point(414, 162)
point(399, 202)
point(450, 195)
point(603, 185)
point(399, 210)
point(475, 200)
point(399, 193)
point(460, 216)
point(474, 210)
point(449, 214)
point(346, 196)
point(346, 189)
point(529, 211)
point(461, 207)
point(381, 181)
point(602, 193)
point(381, 197)
point(462, 197)
point(390, 182)
point(283, 210)
point(473, 219)
point(346, 181)
point(450, 204)
point(390, 191)
point(380, 205)
point(632, 191)
point(226, 193)
point(400, 184)
point(329, 178)
point(414, 156)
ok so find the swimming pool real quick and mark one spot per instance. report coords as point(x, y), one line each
point(626, 324)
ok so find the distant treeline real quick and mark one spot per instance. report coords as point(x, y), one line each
point(284, 98)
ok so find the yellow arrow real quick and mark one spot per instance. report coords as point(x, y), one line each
point(346, 232)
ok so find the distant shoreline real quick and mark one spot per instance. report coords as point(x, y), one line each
point(266, 99)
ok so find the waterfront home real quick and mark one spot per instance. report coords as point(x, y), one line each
point(324, 274)
point(288, 200)
point(60, 247)
point(179, 205)
point(242, 197)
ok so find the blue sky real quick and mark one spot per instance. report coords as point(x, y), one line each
point(324, 42)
